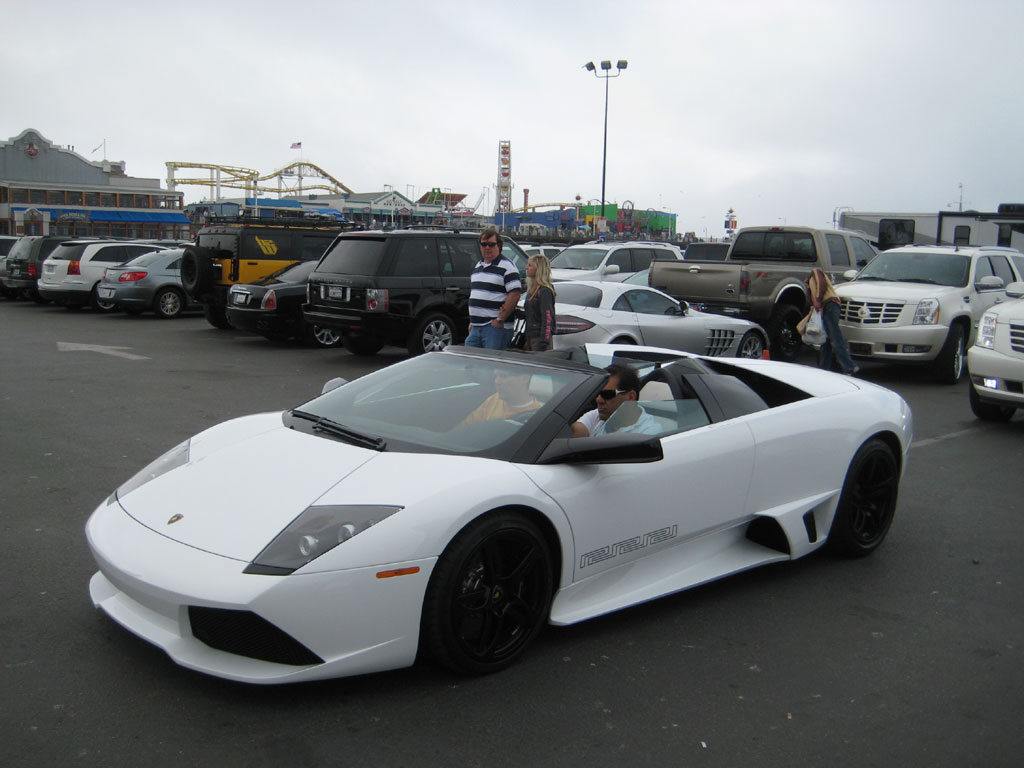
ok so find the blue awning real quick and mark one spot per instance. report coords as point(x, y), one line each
point(107, 214)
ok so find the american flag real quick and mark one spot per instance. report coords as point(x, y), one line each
point(297, 145)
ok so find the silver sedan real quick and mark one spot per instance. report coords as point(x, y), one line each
point(621, 313)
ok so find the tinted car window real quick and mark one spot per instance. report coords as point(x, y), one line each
point(354, 256)
point(621, 259)
point(296, 273)
point(112, 254)
point(1001, 267)
point(649, 302)
point(838, 253)
point(458, 256)
point(583, 295)
point(5, 246)
point(862, 252)
point(415, 257)
point(145, 259)
point(69, 252)
point(982, 269)
point(579, 258)
point(642, 258)
point(313, 247)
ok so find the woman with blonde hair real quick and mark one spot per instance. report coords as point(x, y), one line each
point(540, 304)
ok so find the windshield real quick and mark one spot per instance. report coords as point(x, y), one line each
point(446, 402)
point(951, 269)
point(579, 258)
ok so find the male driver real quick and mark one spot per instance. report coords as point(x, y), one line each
point(620, 392)
point(493, 295)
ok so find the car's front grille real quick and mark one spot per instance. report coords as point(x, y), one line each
point(870, 312)
point(247, 634)
point(1017, 337)
point(718, 342)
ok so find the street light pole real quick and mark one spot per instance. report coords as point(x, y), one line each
point(605, 74)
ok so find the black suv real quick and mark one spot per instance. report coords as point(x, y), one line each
point(25, 264)
point(406, 287)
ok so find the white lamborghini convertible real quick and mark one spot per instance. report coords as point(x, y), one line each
point(413, 521)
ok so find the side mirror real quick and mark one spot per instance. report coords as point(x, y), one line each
point(333, 384)
point(850, 274)
point(611, 269)
point(989, 283)
point(1015, 290)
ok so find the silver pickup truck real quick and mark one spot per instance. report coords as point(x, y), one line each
point(762, 277)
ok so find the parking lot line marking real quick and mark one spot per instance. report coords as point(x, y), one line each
point(67, 346)
point(930, 440)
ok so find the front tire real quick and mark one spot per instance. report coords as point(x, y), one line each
point(488, 595)
point(432, 333)
point(868, 501)
point(988, 411)
point(949, 365)
point(782, 333)
point(751, 346)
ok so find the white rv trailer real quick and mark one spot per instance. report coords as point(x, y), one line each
point(1005, 227)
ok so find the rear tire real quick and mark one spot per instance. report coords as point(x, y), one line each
point(867, 503)
point(322, 337)
point(216, 316)
point(168, 303)
point(432, 333)
point(782, 333)
point(988, 411)
point(489, 595)
point(362, 345)
point(949, 365)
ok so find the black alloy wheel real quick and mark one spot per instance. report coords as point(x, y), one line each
point(782, 333)
point(489, 595)
point(868, 501)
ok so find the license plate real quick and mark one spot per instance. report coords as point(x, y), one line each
point(339, 292)
point(105, 293)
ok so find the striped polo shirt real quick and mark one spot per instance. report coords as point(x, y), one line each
point(489, 286)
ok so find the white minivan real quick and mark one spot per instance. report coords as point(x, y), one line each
point(73, 270)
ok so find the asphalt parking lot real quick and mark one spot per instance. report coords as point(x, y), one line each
point(909, 657)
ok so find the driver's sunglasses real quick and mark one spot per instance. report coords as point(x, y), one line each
point(488, 243)
point(608, 394)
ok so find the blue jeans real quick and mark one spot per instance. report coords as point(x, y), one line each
point(835, 343)
point(489, 337)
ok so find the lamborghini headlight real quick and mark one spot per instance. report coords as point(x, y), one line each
point(176, 457)
point(927, 312)
point(317, 530)
point(987, 331)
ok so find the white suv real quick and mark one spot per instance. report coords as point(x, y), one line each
point(609, 261)
point(922, 303)
point(996, 361)
point(75, 267)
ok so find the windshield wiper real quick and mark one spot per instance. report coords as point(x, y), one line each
point(323, 424)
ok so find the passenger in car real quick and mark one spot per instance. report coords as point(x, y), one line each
point(620, 394)
point(512, 397)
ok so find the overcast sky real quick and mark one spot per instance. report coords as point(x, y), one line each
point(783, 111)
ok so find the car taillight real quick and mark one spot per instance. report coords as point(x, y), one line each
point(377, 299)
point(130, 277)
point(73, 268)
point(745, 285)
point(571, 324)
point(32, 271)
point(269, 300)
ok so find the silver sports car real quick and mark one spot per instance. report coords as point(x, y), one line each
point(621, 313)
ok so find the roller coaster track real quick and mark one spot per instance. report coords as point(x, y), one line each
point(251, 181)
point(535, 206)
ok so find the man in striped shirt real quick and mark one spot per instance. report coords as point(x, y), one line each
point(493, 296)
